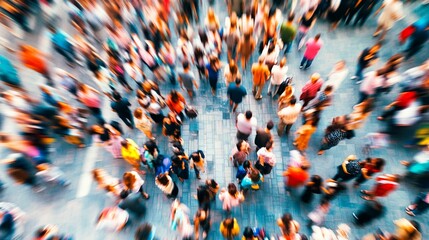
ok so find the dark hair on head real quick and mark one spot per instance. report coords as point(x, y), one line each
point(232, 189)
point(196, 157)
point(248, 11)
point(116, 96)
point(41, 232)
point(312, 9)
point(317, 180)
point(379, 163)
point(239, 143)
point(124, 143)
point(213, 183)
point(124, 194)
point(238, 81)
point(203, 36)
point(292, 101)
point(248, 114)
point(324, 201)
point(291, 17)
point(185, 64)
point(269, 144)
point(270, 125)
point(286, 220)
point(174, 95)
point(143, 232)
point(416, 225)
point(162, 178)
point(317, 36)
point(272, 11)
point(328, 88)
point(248, 233)
point(246, 164)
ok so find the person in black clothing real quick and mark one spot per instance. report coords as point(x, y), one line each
point(202, 219)
point(121, 107)
point(263, 136)
point(314, 186)
point(368, 212)
point(366, 58)
point(132, 202)
point(354, 8)
point(364, 12)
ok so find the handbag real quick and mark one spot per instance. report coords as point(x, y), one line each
point(191, 112)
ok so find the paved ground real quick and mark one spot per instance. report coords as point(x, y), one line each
point(75, 208)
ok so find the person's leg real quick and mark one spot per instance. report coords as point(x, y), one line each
point(280, 128)
point(359, 72)
point(362, 97)
point(125, 119)
point(304, 59)
point(234, 108)
point(288, 47)
point(390, 112)
point(143, 193)
point(48, 78)
point(197, 172)
point(298, 38)
point(276, 89)
point(309, 62)
point(288, 127)
point(259, 92)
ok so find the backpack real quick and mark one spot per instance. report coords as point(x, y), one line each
point(191, 112)
point(241, 173)
point(353, 167)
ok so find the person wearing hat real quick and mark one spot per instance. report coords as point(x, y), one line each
point(310, 89)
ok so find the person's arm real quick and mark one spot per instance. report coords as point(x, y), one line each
point(379, 9)
point(195, 84)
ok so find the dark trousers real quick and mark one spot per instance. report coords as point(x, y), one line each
point(362, 97)
point(127, 118)
point(413, 48)
point(421, 205)
point(361, 17)
point(359, 71)
point(242, 136)
point(351, 14)
point(69, 55)
point(307, 62)
point(97, 114)
point(341, 176)
point(391, 111)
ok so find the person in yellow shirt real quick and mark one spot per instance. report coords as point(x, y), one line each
point(131, 153)
point(229, 228)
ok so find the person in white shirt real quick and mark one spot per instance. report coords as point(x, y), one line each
point(288, 116)
point(266, 158)
point(278, 75)
point(245, 125)
point(337, 75)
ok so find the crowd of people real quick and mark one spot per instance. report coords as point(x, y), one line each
point(132, 51)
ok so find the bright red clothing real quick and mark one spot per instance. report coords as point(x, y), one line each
point(312, 48)
point(178, 106)
point(310, 89)
point(384, 186)
point(405, 99)
point(296, 177)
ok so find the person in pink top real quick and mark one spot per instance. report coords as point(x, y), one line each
point(313, 46)
point(89, 97)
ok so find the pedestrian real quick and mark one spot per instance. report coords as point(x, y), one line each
point(306, 23)
point(296, 176)
point(245, 48)
point(365, 12)
point(263, 135)
point(106, 182)
point(368, 212)
point(231, 73)
point(213, 69)
point(112, 218)
point(349, 169)
point(63, 45)
point(230, 198)
point(172, 126)
point(313, 46)
point(317, 216)
point(35, 60)
point(314, 186)
point(285, 97)
point(245, 124)
point(179, 220)
point(392, 11)
point(187, 80)
point(197, 162)
point(176, 102)
point(231, 37)
point(131, 153)
point(322, 100)
point(288, 227)
point(236, 6)
point(166, 184)
point(337, 75)
point(271, 53)
point(145, 231)
point(370, 167)
point(90, 98)
point(121, 106)
point(239, 153)
point(310, 89)
point(143, 123)
point(132, 203)
point(303, 135)
point(334, 133)
point(266, 159)
point(229, 228)
point(367, 58)
point(278, 76)
point(419, 205)
point(236, 92)
point(260, 74)
point(418, 38)
point(407, 229)
point(287, 33)
point(133, 183)
point(9, 73)
point(252, 180)
point(202, 219)
point(288, 117)
point(403, 101)
point(384, 185)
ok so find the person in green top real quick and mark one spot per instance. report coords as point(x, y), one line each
point(288, 32)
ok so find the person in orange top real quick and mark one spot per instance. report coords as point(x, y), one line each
point(35, 60)
point(296, 176)
point(260, 74)
point(176, 102)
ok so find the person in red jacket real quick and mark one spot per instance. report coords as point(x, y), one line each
point(384, 185)
point(296, 176)
point(404, 100)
